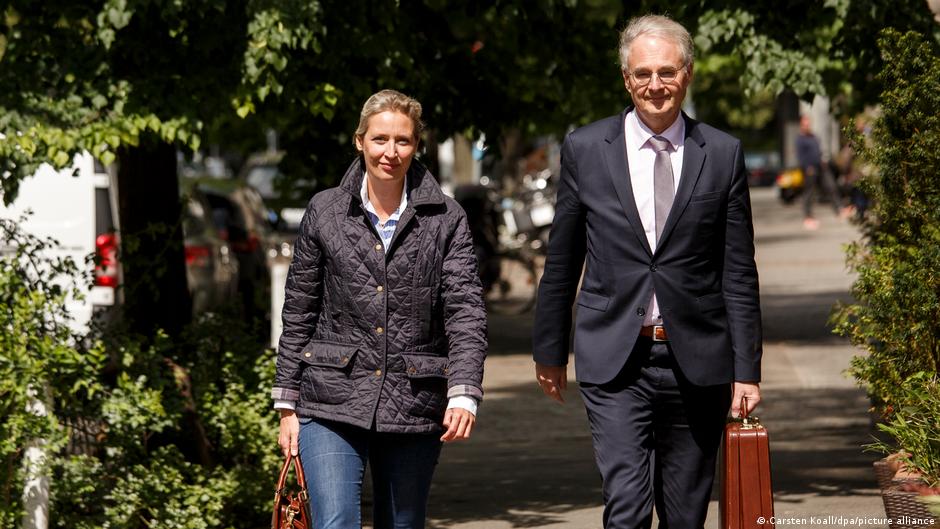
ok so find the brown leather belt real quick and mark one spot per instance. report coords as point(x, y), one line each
point(656, 332)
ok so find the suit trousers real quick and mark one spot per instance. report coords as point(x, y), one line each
point(656, 439)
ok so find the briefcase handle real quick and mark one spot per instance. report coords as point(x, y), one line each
point(748, 422)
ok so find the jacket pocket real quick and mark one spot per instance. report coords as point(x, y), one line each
point(711, 195)
point(710, 302)
point(426, 385)
point(326, 376)
point(593, 301)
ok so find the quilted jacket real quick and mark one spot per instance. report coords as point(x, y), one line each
point(381, 339)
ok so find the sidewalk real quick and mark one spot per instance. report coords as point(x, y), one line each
point(530, 462)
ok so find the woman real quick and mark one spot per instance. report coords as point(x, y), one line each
point(381, 356)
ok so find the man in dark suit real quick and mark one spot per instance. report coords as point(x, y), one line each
point(654, 207)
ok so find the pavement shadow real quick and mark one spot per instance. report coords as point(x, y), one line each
point(817, 441)
point(801, 318)
point(531, 461)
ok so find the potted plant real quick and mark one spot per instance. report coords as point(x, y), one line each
point(896, 317)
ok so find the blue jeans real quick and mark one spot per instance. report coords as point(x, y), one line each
point(334, 457)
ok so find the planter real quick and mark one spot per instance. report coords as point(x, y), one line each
point(903, 504)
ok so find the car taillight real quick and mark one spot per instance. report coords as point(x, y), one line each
point(106, 270)
point(197, 255)
point(249, 245)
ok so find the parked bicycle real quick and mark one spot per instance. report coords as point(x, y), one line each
point(510, 234)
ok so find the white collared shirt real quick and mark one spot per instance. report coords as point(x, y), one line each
point(641, 158)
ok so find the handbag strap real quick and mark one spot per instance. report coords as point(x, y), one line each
point(298, 470)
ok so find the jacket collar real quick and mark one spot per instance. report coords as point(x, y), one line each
point(615, 132)
point(421, 187)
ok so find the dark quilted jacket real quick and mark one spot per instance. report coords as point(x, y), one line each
point(376, 338)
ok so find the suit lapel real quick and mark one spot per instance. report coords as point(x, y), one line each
point(615, 154)
point(693, 158)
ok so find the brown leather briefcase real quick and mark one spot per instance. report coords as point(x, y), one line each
point(746, 500)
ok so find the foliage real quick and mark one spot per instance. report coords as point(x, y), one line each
point(914, 426)
point(810, 48)
point(34, 349)
point(897, 316)
point(177, 433)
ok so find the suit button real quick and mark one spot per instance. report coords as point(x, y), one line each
point(412, 370)
point(307, 355)
point(652, 268)
point(379, 330)
point(641, 311)
point(378, 372)
point(379, 288)
point(378, 247)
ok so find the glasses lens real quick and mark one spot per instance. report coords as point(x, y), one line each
point(667, 75)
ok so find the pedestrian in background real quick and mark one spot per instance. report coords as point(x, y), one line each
point(654, 207)
point(381, 357)
point(815, 174)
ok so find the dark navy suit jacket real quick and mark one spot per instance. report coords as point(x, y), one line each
point(703, 269)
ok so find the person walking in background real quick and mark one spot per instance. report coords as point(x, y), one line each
point(815, 173)
point(384, 328)
point(654, 206)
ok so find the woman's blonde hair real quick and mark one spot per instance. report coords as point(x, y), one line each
point(393, 100)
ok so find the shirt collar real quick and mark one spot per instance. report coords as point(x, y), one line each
point(367, 205)
point(638, 133)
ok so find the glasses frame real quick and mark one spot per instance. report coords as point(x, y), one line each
point(640, 84)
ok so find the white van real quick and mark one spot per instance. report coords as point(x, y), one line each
point(75, 207)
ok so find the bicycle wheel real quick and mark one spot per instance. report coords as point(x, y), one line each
point(515, 290)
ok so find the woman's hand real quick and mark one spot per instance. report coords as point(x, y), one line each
point(290, 431)
point(459, 422)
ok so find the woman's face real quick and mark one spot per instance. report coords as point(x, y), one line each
point(388, 145)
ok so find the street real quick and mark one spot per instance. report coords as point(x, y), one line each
point(530, 462)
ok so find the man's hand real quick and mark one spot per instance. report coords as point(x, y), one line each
point(553, 380)
point(748, 390)
point(290, 431)
point(459, 423)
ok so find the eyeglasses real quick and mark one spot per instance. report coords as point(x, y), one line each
point(666, 75)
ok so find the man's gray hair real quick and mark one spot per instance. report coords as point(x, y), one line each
point(659, 26)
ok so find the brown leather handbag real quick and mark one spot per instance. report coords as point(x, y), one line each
point(747, 500)
point(291, 507)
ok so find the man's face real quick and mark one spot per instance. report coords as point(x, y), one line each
point(658, 102)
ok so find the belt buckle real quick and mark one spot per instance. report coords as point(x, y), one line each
point(659, 333)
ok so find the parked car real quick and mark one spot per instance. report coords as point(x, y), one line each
point(77, 207)
point(236, 217)
point(286, 198)
point(762, 167)
point(211, 266)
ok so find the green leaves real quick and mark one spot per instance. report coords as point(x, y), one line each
point(897, 317)
point(769, 65)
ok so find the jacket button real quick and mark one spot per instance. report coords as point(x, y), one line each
point(652, 268)
point(379, 288)
point(412, 370)
point(378, 247)
point(446, 371)
point(379, 330)
point(345, 359)
point(641, 311)
point(378, 372)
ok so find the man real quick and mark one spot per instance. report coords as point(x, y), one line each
point(654, 206)
point(809, 156)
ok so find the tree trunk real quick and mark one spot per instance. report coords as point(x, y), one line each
point(155, 291)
